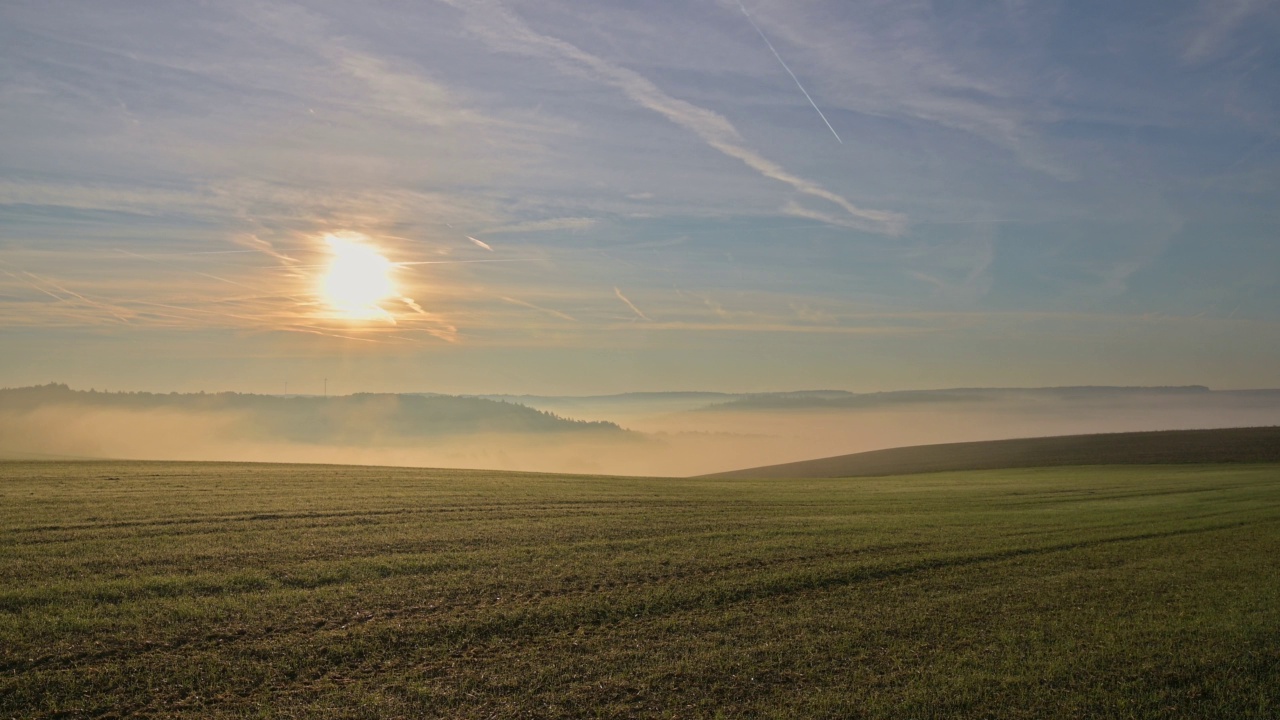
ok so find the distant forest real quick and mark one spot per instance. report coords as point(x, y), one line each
point(360, 418)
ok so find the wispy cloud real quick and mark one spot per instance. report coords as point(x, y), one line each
point(120, 197)
point(505, 31)
point(639, 313)
point(409, 94)
point(785, 328)
point(255, 243)
point(549, 311)
point(894, 59)
point(548, 225)
point(72, 303)
point(280, 116)
point(200, 290)
point(1218, 21)
point(826, 218)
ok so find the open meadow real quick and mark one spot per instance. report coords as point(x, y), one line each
point(236, 590)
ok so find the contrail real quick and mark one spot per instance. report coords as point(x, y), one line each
point(481, 243)
point(113, 311)
point(630, 304)
point(215, 277)
point(793, 75)
point(203, 252)
point(522, 303)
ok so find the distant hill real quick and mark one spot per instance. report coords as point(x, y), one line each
point(699, 398)
point(618, 397)
point(675, 400)
point(834, 399)
point(639, 404)
point(1259, 444)
point(360, 418)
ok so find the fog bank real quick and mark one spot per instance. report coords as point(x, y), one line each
point(731, 432)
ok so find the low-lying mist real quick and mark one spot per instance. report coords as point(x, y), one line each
point(687, 435)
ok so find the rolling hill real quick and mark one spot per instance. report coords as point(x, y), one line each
point(1232, 445)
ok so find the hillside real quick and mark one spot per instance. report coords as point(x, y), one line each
point(836, 400)
point(1232, 445)
point(360, 418)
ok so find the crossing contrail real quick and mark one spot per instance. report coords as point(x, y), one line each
point(793, 75)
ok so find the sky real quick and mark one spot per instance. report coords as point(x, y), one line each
point(579, 197)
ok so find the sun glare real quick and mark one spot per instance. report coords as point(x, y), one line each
point(358, 280)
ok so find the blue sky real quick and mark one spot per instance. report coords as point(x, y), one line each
point(1020, 193)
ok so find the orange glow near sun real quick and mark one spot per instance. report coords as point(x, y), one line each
point(358, 279)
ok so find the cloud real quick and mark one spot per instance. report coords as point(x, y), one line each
point(532, 226)
point(1219, 20)
point(502, 29)
point(70, 303)
point(410, 95)
point(893, 59)
point(121, 197)
point(188, 291)
point(630, 304)
point(785, 327)
point(253, 242)
point(549, 311)
point(796, 209)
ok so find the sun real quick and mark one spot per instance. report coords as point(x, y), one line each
point(358, 279)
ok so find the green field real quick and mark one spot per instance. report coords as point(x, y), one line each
point(222, 590)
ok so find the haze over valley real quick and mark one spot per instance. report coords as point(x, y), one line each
point(670, 434)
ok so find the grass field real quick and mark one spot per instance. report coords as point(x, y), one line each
point(221, 590)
